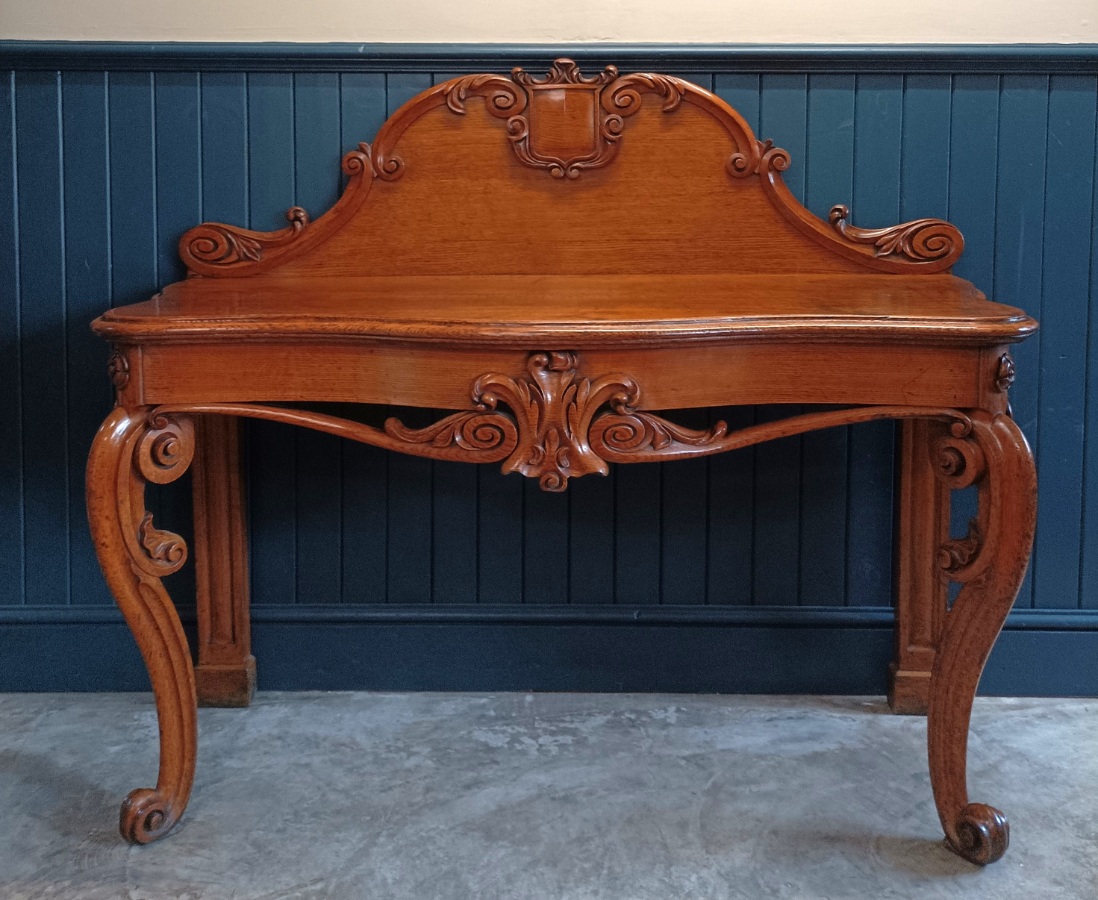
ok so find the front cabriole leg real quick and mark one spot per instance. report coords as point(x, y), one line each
point(131, 448)
point(990, 563)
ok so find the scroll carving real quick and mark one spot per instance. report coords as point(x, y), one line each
point(552, 424)
point(957, 553)
point(958, 459)
point(161, 454)
point(627, 431)
point(960, 462)
point(481, 431)
point(226, 246)
point(922, 240)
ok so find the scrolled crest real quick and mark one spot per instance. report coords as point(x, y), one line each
point(589, 141)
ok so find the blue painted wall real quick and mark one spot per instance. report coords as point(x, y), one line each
point(105, 160)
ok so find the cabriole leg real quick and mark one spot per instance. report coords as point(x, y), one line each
point(990, 563)
point(130, 449)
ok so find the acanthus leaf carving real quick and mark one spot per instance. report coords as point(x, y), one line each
point(956, 553)
point(554, 408)
point(921, 240)
point(480, 435)
point(164, 550)
point(626, 431)
point(1004, 373)
point(225, 246)
point(563, 71)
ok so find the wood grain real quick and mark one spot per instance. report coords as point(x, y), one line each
point(225, 673)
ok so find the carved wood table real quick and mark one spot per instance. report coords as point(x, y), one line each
point(555, 260)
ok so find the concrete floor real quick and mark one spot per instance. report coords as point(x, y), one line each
point(616, 797)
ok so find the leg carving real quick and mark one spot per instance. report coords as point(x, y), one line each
point(130, 449)
point(990, 564)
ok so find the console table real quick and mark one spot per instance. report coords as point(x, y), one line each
point(555, 259)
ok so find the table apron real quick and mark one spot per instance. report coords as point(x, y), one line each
point(668, 377)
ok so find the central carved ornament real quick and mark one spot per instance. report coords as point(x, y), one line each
point(562, 423)
point(565, 122)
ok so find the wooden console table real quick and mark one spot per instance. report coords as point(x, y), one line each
point(555, 259)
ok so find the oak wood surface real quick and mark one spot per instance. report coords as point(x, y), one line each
point(549, 261)
point(574, 311)
point(225, 669)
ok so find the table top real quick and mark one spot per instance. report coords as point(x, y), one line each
point(572, 310)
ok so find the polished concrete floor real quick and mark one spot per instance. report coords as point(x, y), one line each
point(637, 797)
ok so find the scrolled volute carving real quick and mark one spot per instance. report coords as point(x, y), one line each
point(983, 834)
point(771, 160)
point(483, 435)
point(626, 430)
point(503, 97)
point(166, 448)
point(957, 457)
point(624, 96)
point(215, 245)
point(356, 163)
point(162, 452)
point(146, 815)
point(921, 240)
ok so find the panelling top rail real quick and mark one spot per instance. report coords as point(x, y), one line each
point(551, 261)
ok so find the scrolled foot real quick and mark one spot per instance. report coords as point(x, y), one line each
point(983, 834)
point(146, 816)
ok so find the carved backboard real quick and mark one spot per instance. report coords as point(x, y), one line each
point(568, 174)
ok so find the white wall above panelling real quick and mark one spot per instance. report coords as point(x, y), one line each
point(562, 21)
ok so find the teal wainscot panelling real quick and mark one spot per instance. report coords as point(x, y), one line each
point(768, 569)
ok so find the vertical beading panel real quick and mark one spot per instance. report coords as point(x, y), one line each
point(272, 449)
point(1069, 194)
